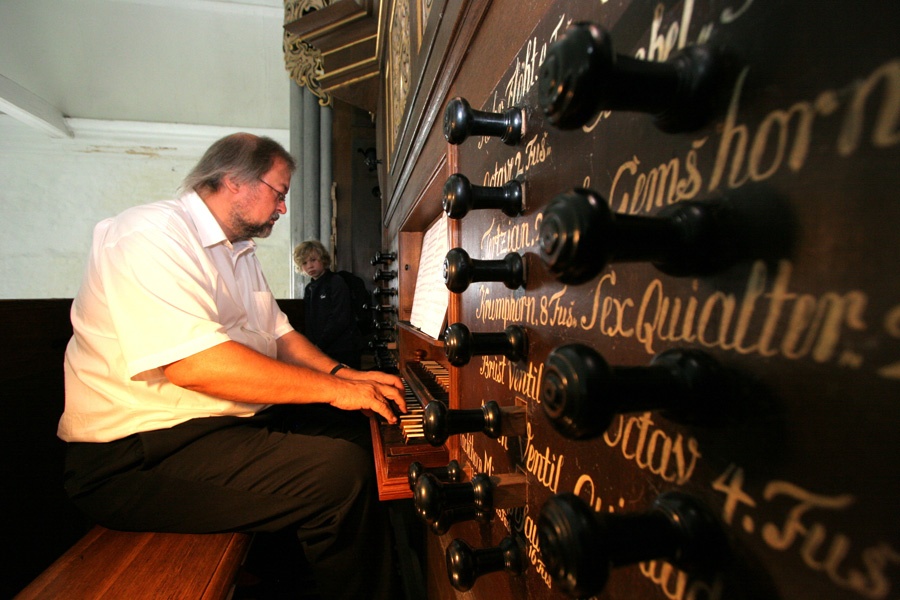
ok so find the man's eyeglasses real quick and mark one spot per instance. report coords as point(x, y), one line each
point(278, 195)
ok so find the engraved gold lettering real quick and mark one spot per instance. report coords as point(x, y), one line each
point(657, 454)
point(545, 466)
point(812, 537)
point(676, 584)
point(884, 132)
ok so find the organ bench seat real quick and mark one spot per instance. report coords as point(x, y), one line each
point(124, 564)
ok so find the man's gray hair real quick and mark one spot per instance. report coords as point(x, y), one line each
point(242, 156)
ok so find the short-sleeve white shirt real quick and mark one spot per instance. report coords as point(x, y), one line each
point(162, 283)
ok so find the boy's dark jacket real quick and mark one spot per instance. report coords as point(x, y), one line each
point(330, 318)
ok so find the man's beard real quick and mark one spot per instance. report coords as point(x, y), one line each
point(246, 230)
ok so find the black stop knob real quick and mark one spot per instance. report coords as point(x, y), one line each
point(462, 121)
point(383, 258)
point(580, 546)
point(581, 393)
point(440, 422)
point(580, 235)
point(432, 497)
point(452, 472)
point(460, 197)
point(583, 75)
point(384, 275)
point(452, 516)
point(465, 564)
point(461, 345)
point(460, 270)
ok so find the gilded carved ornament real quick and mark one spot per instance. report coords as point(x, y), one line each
point(303, 62)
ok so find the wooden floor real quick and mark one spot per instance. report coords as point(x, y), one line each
point(275, 570)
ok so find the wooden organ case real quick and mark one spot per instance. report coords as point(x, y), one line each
point(673, 233)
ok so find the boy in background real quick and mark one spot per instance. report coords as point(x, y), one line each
point(330, 319)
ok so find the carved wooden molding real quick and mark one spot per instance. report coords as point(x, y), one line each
point(304, 62)
point(399, 53)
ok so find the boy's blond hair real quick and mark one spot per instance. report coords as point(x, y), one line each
point(305, 249)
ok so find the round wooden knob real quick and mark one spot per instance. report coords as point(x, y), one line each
point(460, 514)
point(452, 472)
point(580, 546)
point(460, 197)
point(384, 275)
point(383, 258)
point(582, 75)
point(462, 121)
point(461, 345)
point(580, 235)
point(581, 393)
point(465, 564)
point(460, 270)
point(440, 422)
point(432, 497)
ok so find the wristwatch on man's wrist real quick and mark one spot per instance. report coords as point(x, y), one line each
point(337, 368)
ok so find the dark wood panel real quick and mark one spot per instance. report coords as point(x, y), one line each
point(801, 471)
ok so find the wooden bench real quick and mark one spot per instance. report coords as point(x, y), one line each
point(41, 525)
point(119, 564)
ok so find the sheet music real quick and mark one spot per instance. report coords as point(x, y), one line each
point(430, 302)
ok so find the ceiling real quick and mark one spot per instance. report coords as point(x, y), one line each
point(198, 62)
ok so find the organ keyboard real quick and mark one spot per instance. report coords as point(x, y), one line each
point(398, 446)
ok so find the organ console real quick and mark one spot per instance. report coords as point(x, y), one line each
point(579, 546)
point(460, 270)
point(402, 445)
point(581, 394)
point(460, 197)
point(704, 342)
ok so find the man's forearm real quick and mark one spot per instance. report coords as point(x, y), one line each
point(232, 371)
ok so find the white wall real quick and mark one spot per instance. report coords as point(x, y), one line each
point(204, 62)
point(53, 192)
